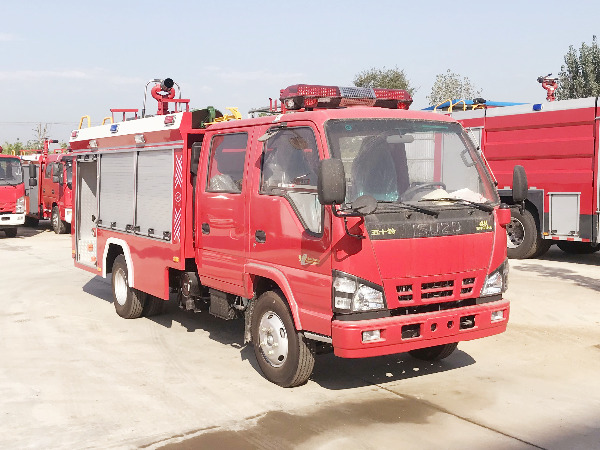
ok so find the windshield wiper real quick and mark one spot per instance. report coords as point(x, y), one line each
point(482, 206)
point(416, 208)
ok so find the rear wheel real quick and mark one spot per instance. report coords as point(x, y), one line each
point(578, 248)
point(283, 354)
point(153, 306)
point(434, 353)
point(128, 301)
point(10, 232)
point(58, 225)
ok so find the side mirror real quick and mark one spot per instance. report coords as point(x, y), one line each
point(331, 184)
point(32, 172)
point(32, 182)
point(519, 188)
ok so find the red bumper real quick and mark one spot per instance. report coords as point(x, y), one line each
point(433, 329)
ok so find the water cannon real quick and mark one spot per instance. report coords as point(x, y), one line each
point(164, 92)
point(549, 83)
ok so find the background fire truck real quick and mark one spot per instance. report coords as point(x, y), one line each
point(48, 187)
point(365, 230)
point(12, 195)
point(557, 144)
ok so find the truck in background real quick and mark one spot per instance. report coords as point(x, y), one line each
point(557, 144)
point(12, 195)
point(343, 222)
point(48, 180)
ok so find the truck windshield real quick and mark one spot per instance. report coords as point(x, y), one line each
point(411, 161)
point(10, 171)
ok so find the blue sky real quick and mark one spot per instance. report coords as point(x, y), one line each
point(60, 60)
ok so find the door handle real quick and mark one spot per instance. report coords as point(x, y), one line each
point(260, 236)
point(205, 228)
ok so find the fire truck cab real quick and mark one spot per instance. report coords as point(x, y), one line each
point(12, 195)
point(341, 222)
point(49, 188)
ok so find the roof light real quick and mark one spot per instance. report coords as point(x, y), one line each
point(114, 128)
point(538, 107)
point(169, 120)
point(306, 96)
point(74, 134)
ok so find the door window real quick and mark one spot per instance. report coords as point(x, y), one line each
point(290, 163)
point(226, 163)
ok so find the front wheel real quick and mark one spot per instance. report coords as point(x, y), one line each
point(128, 301)
point(284, 356)
point(523, 237)
point(434, 353)
point(58, 225)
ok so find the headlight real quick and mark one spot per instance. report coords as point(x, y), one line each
point(497, 281)
point(351, 294)
point(20, 208)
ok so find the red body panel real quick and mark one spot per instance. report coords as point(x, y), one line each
point(9, 194)
point(229, 256)
point(557, 144)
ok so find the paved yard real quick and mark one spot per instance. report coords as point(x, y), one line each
point(75, 375)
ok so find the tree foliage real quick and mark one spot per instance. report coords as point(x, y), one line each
point(450, 85)
point(580, 75)
point(384, 78)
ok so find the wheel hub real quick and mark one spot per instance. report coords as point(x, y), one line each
point(273, 339)
point(120, 287)
point(515, 233)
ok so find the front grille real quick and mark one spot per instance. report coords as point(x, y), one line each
point(449, 289)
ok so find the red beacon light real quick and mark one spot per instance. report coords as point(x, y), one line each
point(306, 96)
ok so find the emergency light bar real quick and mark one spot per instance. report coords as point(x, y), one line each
point(306, 96)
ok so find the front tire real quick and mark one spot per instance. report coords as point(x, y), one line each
point(283, 354)
point(58, 225)
point(523, 236)
point(128, 301)
point(434, 353)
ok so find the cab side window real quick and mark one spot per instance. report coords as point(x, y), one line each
point(48, 172)
point(226, 163)
point(290, 162)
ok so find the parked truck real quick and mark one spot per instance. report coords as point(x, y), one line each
point(341, 222)
point(49, 187)
point(12, 195)
point(557, 144)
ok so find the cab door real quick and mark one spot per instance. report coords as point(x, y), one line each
point(221, 215)
point(288, 230)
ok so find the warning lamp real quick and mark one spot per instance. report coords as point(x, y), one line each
point(169, 120)
point(305, 96)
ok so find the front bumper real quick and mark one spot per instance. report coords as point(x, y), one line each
point(11, 220)
point(420, 330)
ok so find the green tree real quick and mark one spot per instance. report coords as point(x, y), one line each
point(580, 75)
point(384, 78)
point(450, 85)
point(9, 149)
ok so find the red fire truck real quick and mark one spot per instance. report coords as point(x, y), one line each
point(343, 222)
point(12, 195)
point(49, 187)
point(557, 144)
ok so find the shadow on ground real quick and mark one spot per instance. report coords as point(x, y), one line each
point(330, 371)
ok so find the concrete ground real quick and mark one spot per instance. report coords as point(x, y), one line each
point(74, 375)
